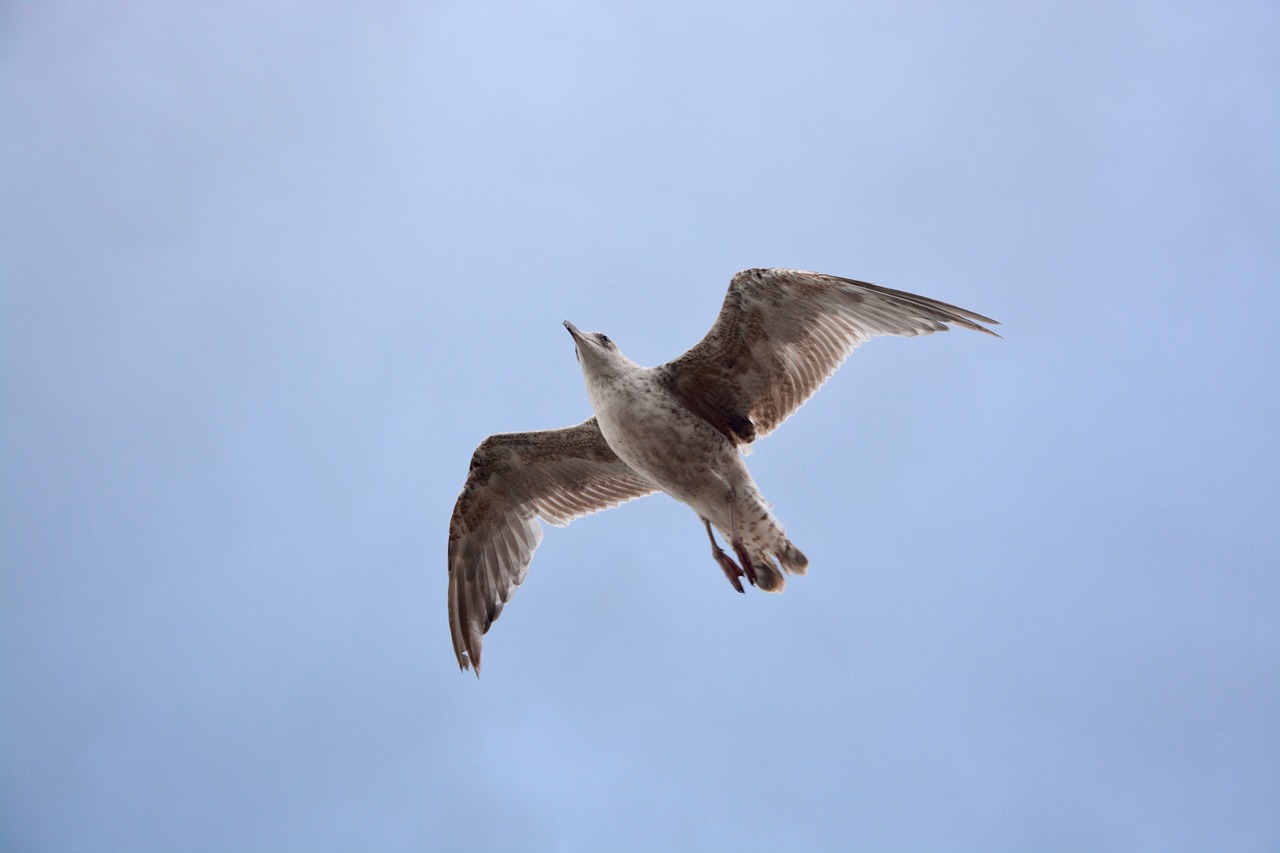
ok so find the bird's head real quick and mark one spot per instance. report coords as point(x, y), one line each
point(599, 356)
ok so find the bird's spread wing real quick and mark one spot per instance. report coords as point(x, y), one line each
point(515, 478)
point(782, 333)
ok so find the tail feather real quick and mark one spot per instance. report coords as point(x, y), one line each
point(791, 558)
point(766, 562)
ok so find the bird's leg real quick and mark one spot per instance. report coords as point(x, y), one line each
point(736, 541)
point(731, 570)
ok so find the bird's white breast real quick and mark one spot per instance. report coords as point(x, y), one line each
point(657, 435)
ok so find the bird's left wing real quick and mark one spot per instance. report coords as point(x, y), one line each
point(780, 335)
point(515, 478)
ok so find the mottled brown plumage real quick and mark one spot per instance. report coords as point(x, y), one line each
point(515, 478)
point(675, 428)
point(781, 334)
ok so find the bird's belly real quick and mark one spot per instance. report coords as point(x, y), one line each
point(667, 443)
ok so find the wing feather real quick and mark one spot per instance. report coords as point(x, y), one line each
point(780, 336)
point(515, 479)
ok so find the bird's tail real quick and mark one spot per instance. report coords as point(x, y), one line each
point(767, 560)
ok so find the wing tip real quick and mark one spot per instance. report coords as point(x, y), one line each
point(466, 662)
point(978, 327)
point(465, 634)
point(467, 649)
point(954, 315)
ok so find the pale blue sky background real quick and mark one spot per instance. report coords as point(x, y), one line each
point(271, 271)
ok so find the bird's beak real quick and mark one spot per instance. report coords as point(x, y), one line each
point(573, 330)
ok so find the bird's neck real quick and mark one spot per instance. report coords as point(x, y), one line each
point(606, 383)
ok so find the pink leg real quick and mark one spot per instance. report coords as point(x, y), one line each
point(738, 547)
point(731, 570)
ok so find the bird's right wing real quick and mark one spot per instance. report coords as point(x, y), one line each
point(515, 478)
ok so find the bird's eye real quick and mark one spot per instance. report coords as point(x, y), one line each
point(604, 339)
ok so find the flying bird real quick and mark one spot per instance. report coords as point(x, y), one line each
point(680, 428)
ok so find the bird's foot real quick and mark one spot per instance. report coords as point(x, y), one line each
point(731, 570)
point(747, 567)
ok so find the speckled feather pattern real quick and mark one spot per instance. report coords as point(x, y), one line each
point(782, 333)
point(515, 478)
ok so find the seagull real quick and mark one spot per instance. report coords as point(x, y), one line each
point(682, 428)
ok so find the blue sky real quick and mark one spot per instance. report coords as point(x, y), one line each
point(269, 272)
